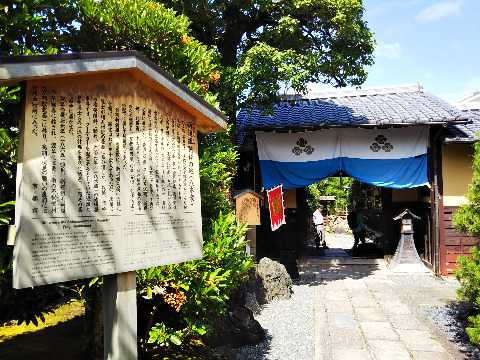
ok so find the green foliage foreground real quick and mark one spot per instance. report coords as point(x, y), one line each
point(468, 273)
point(155, 31)
point(199, 290)
point(467, 219)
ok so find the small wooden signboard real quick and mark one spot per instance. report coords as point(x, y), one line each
point(247, 204)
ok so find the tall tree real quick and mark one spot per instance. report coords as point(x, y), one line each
point(155, 31)
point(35, 26)
point(31, 27)
point(265, 45)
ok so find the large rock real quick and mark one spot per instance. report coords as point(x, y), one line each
point(269, 280)
point(339, 224)
point(237, 327)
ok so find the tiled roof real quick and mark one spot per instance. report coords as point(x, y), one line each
point(464, 133)
point(384, 106)
point(238, 193)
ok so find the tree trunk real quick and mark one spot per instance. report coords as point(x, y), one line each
point(94, 315)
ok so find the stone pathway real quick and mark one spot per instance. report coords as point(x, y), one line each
point(363, 311)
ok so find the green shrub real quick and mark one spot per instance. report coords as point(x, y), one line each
point(199, 289)
point(332, 186)
point(468, 274)
point(474, 330)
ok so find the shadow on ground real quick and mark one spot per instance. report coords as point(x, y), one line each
point(63, 341)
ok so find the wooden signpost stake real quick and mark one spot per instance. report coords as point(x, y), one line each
point(107, 175)
point(120, 316)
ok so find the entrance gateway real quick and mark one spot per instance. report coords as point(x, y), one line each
point(382, 136)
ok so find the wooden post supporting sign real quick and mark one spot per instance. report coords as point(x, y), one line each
point(120, 316)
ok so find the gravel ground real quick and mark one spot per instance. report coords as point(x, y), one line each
point(451, 319)
point(289, 326)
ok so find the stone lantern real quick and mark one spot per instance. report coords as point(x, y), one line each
point(406, 258)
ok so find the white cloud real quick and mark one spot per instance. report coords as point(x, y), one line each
point(391, 51)
point(440, 10)
point(429, 74)
point(388, 6)
point(461, 90)
point(454, 96)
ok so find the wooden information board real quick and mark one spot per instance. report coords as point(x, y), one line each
point(108, 173)
point(247, 205)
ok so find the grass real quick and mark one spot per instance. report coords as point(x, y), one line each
point(61, 336)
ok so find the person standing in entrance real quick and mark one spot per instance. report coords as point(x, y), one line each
point(320, 227)
point(359, 230)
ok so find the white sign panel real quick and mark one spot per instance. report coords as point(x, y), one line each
point(108, 182)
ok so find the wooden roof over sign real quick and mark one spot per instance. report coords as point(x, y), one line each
point(15, 69)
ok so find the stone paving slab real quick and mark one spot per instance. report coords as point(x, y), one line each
point(389, 350)
point(342, 320)
point(370, 314)
point(395, 308)
point(337, 295)
point(344, 306)
point(406, 322)
point(346, 338)
point(376, 330)
point(419, 340)
point(364, 301)
point(374, 322)
point(357, 354)
point(430, 355)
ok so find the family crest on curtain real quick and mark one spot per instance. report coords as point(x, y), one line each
point(395, 157)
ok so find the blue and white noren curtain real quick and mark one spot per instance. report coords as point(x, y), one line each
point(395, 158)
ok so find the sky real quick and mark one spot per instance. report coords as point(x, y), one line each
point(436, 43)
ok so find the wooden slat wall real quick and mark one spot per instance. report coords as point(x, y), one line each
point(455, 243)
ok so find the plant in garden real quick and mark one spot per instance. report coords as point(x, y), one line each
point(35, 26)
point(468, 274)
point(163, 335)
point(198, 290)
point(163, 37)
point(467, 219)
point(218, 163)
point(332, 186)
point(29, 27)
point(153, 30)
point(8, 162)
